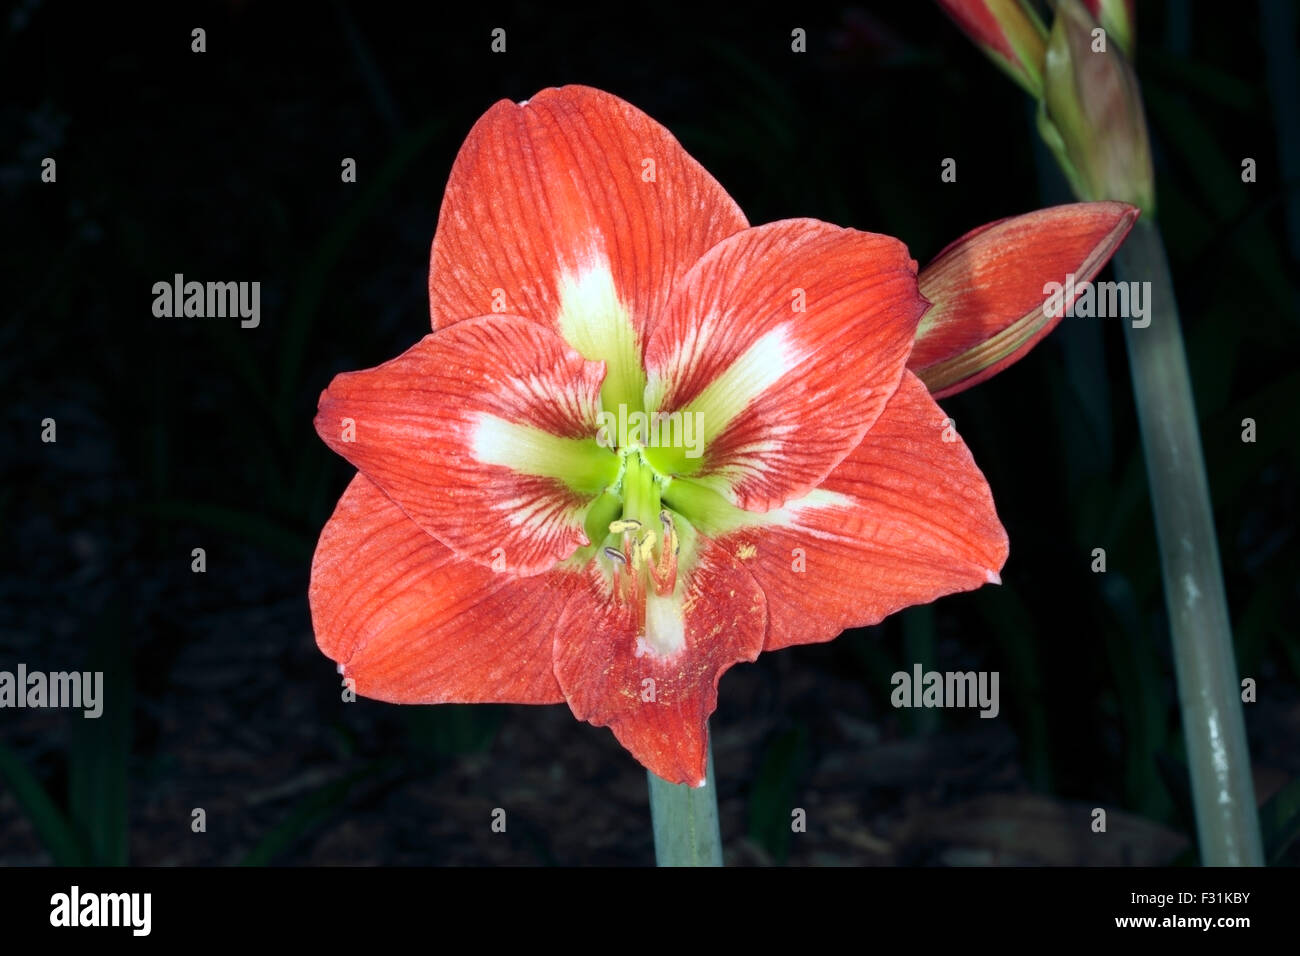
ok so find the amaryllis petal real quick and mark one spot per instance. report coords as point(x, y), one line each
point(484, 434)
point(650, 671)
point(578, 211)
point(784, 343)
point(991, 289)
point(410, 623)
point(905, 519)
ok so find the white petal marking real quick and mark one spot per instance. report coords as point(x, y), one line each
point(745, 380)
point(665, 624)
point(596, 322)
point(524, 449)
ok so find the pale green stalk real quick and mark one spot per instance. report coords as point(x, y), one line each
point(686, 821)
point(1218, 759)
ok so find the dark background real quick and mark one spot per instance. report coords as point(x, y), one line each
point(183, 433)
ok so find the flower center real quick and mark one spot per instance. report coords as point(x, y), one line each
point(639, 541)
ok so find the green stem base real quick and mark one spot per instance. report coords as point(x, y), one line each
point(685, 821)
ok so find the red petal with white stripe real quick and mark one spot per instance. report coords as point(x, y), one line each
point(476, 432)
point(573, 182)
point(905, 519)
point(786, 340)
point(615, 671)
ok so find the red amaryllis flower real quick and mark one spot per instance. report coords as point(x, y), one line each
point(645, 442)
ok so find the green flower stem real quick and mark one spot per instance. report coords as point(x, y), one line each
point(1208, 689)
point(685, 821)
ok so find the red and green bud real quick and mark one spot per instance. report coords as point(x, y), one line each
point(989, 289)
point(1091, 112)
point(1118, 18)
point(1009, 32)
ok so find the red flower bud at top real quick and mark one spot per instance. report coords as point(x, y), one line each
point(1009, 32)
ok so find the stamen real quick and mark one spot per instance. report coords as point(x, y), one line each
point(670, 532)
point(636, 569)
point(664, 573)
